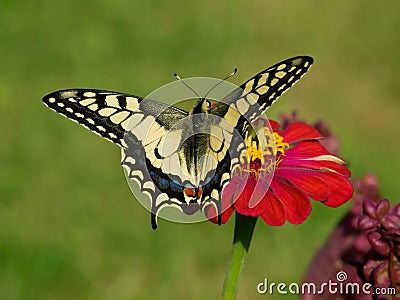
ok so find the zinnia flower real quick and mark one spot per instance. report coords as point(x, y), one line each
point(304, 169)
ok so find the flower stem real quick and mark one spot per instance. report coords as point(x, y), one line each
point(244, 228)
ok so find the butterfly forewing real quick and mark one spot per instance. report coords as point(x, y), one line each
point(108, 113)
point(246, 103)
point(269, 84)
point(103, 112)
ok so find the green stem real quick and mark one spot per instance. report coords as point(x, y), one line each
point(244, 228)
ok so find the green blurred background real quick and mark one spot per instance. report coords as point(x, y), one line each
point(69, 225)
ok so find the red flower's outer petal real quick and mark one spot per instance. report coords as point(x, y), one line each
point(301, 164)
point(341, 188)
point(211, 212)
point(297, 205)
point(300, 131)
point(306, 149)
point(226, 214)
point(275, 126)
point(250, 202)
point(231, 189)
point(227, 197)
point(242, 202)
point(274, 214)
point(308, 182)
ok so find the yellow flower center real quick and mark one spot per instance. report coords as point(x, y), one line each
point(280, 145)
point(274, 147)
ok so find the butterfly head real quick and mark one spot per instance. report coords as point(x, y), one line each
point(203, 106)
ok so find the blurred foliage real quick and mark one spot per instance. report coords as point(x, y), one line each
point(69, 226)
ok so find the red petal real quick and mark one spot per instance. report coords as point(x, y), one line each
point(307, 149)
point(250, 202)
point(228, 195)
point(308, 182)
point(274, 214)
point(289, 163)
point(210, 212)
point(275, 126)
point(341, 189)
point(300, 131)
point(297, 205)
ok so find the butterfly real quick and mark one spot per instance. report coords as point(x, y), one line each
point(179, 158)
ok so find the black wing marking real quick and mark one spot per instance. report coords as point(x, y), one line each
point(107, 113)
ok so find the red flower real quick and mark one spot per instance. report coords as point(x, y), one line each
point(304, 169)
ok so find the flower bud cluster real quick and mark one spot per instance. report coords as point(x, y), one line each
point(382, 225)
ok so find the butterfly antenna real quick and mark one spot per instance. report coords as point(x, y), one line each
point(221, 81)
point(181, 80)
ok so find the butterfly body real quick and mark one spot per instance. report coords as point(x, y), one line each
point(178, 158)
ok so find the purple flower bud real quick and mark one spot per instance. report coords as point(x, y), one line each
point(374, 238)
point(330, 141)
point(391, 221)
point(366, 223)
point(369, 207)
point(367, 188)
point(382, 208)
point(371, 180)
point(369, 267)
point(393, 234)
point(287, 119)
point(380, 275)
point(396, 272)
point(395, 209)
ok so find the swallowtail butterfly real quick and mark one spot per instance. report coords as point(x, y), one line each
point(167, 161)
